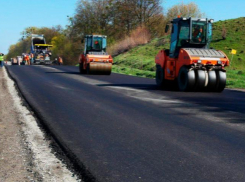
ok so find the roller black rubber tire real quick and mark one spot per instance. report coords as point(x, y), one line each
point(109, 73)
point(159, 76)
point(200, 80)
point(221, 81)
point(88, 69)
point(186, 79)
point(82, 71)
point(212, 81)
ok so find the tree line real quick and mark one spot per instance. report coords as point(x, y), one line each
point(114, 18)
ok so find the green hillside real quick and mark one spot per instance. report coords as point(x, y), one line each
point(139, 61)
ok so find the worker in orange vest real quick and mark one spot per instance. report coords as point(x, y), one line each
point(60, 61)
point(28, 59)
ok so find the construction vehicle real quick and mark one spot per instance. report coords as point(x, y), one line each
point(40, 50)
point(17, 60)
point(95, 59)
point(190, 61)
point(14, 61)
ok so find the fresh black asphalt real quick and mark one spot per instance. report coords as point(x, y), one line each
point(123, 129)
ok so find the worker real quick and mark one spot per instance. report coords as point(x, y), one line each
point(32, 58)
point(46, 57)
point(1, 60)
point(28, 59)
point(25, 59)
point(97, 45)
point(49, 52)
point(197, 34)
point(60, 60)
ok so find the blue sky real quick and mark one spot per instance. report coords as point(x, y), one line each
point(16, 15)
point(215, 9)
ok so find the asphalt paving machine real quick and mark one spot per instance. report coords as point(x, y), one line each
point(190, 61)
point(40, 50)
point(95, 59)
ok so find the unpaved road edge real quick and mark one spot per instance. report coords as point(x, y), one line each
point(25, 154)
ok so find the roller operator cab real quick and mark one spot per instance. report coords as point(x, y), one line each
point(190, 61)
point(95, 59)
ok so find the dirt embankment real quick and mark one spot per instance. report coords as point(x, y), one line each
point(24, 152)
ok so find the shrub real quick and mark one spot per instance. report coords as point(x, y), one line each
point(224, 33)
point(239, 72)
point(139, 36)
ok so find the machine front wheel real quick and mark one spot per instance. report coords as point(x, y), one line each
point(159, 76)
point(82, 71)
point(186, 79)
point(88, 69)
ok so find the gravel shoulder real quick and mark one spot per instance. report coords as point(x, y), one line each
point(25, 154)
point(14, 154)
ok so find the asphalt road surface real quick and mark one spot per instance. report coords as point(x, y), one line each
point(123, 129)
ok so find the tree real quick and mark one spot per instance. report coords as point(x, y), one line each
point(146, 10)
point(24, 44)
point(184, 10)
point(116, 18)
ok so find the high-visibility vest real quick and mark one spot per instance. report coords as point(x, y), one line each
point(26, 58)
point(1, 58)
point(60, 60)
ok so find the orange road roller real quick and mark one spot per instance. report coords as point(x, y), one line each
point(190, 61)
point(95, 59)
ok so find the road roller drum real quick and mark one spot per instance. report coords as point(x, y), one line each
point(99, 68)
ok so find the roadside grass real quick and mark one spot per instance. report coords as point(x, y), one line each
point(235, 79)
point(133, 71)
point(140, 61)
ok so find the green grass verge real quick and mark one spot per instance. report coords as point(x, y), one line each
point(133, 71)
point(140, 61)
point(235, 79)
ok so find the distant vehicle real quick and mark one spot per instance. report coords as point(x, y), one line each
point(19, 59)
point(14, 61)
point(40, 50)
